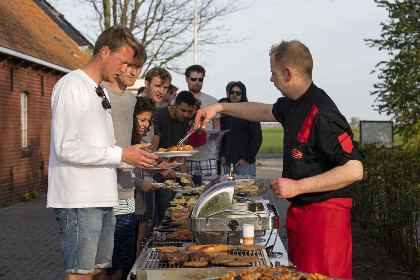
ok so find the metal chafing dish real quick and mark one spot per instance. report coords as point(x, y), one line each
point(224, 225)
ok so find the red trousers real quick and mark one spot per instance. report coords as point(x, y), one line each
point(320, 237)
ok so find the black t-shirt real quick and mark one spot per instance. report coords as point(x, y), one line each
point(171, 131)
point(317, 138)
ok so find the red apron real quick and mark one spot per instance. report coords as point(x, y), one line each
point(320, 237)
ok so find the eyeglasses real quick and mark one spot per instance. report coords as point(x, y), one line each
point(195, 79)
point(238, 93)
point(105, 102)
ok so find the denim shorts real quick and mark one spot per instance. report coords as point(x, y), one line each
point(87, 238)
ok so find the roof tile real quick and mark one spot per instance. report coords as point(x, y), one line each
point(29, 30)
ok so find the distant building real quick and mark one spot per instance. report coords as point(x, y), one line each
point(135, 88)
point(37, 47)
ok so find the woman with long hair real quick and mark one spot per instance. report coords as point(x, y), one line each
point(143, 131)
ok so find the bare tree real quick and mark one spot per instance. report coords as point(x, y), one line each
point(165, 27)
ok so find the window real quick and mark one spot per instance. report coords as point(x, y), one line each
point(24, 118)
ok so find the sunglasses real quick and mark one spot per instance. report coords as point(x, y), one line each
point(105, 102)
point(237, 93)
point(195, 79)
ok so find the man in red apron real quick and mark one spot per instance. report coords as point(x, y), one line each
point(320, 162)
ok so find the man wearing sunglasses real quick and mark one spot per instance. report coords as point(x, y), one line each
point(82, 180)
point(203, 163)
point(321, 162)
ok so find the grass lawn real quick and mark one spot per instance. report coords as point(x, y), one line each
point(273, 139)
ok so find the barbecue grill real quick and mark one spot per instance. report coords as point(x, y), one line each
point(152, 268)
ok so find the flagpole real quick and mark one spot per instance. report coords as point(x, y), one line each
point(195, 33)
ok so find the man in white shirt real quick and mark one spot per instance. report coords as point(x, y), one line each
point(82, 180)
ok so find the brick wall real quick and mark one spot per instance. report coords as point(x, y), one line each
point(23, 170)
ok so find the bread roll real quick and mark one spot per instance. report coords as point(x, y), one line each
point(217, 248)
point(195, 247)
point(188, 148)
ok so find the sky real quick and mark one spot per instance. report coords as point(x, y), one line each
point(333, 30)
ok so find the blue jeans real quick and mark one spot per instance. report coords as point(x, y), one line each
point(87, 238)
point(123, 255)
point(249, 169)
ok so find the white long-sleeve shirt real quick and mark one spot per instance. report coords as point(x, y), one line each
point(83, 156)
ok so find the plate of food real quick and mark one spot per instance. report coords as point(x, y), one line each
point(182, 175)
point(154, 167)
point(176, 151)
point(168, 184)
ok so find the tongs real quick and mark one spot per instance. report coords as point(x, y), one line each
point(182, 141)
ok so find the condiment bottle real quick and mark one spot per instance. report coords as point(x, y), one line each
point(248, 234)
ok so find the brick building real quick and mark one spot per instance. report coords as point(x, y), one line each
point(37, 47)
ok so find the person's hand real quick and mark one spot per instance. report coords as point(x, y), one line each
point(207, 113)
point(241, 162)
point(148, 186)
point(284, 188)
point(134, 155)
point(168, 174)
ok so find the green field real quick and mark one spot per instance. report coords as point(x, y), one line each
point(273, 140)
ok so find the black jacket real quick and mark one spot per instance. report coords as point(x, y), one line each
point(242, 141)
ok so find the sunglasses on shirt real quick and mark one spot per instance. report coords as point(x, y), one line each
point(237, 93)
point(105, 102)
point(195, 79)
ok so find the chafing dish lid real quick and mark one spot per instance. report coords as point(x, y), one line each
point(215, 198)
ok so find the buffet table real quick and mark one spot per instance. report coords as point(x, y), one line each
point(147, 265)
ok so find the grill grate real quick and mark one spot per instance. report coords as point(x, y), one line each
point(152, 259)
point(161, 243)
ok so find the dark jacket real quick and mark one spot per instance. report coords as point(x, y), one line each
point(242, 141)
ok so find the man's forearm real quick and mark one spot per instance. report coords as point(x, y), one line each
point(334, 179)
point(251, 111)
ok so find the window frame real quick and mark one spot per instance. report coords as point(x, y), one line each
point(24, 119)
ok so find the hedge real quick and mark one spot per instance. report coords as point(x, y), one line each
point(387, 200)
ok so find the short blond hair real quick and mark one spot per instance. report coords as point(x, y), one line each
point(162, 73)
point(139, 57)
point(115, 37)
point(295, 54)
